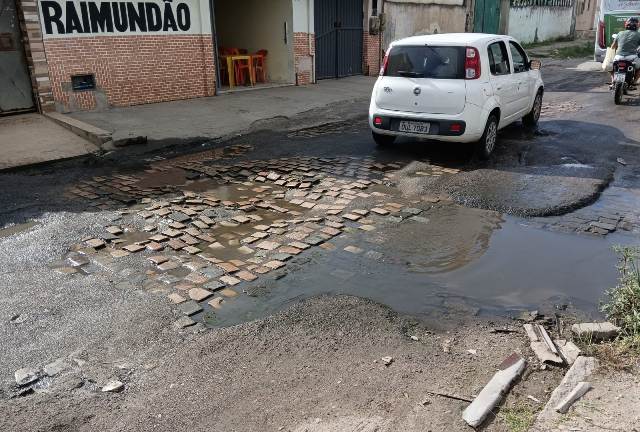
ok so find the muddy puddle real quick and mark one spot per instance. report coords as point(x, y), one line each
point(17, 229)
point(499, 269)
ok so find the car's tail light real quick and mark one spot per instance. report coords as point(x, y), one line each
point(455, 128)
point(377, 121)
point(385, 63)
point(472, 64)
point(622, 65)
point(601, 42)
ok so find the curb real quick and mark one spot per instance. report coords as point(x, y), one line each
point(97, 136)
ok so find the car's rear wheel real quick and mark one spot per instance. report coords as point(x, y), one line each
point(383, 140)
point(487, 143)
point(532, 118)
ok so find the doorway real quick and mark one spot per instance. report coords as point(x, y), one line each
point(254, 31)
point(16, 94)
point(339, 38)
point(487, 16)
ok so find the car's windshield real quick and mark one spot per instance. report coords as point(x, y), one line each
point(426, 62)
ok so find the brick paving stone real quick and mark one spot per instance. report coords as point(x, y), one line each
point(214, 285)
point(308, 205)
point(176, 244)
point(245, 250)
point(199, 294)
point(177, 225)
point(315, 240)
point(353, 249)
point(176, 298)
point(246, 276)
point(120, 253)
point(367, 227)
point(184, 322)
point(216, 245)
point(159, 238)
point(230, 280)
point(360, 212)
point(190, 308)
point(66, 270)
point(334, 224)
point(241, 219)
point(334, 212)
point(179, 217)
point(168, 265)
point(412, 210)
point(115, 230)
point(192, 250)
point(262, 270)
point(170, 232)
point(95, 243)
point(158, 259)
point(268, 245)
point(280, 256)
point(229, 293)
point(154, 246)
point(328, 246)
point(196, 278)
point(352, 217)
point(380, 211)
point(289, 250)
point(190, 240)
point(228, 267)
point(274, 264)
point(261, 227)
point(331, 231)
point(216, 302)
point(133, 248)
point(200, 224)
point(299, 245)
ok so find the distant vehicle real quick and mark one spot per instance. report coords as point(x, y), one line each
point(455, 87)
point(610, 18)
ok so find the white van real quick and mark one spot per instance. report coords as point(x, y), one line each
point(610, 18)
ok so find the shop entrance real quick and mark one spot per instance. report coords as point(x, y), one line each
point(15, 84)
point(254, 41)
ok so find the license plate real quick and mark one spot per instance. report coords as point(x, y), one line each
point(619, 77)
point(415, 127)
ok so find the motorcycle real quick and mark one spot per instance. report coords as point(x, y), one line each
point(623, 78)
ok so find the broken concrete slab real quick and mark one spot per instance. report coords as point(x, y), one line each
point(542, 345)
point(492, 393)
point(578, 391)
point(582, 368)
point(568, 350)
point(113, 386)
point(595, 332)
point(25, 376)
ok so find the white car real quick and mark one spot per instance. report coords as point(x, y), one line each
point(455, 87)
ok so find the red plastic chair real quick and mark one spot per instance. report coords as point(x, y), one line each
point(260, 65)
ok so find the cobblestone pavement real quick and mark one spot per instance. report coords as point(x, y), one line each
point(206, 229)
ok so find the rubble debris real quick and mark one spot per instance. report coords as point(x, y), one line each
point(568, 350)
point(25, 376)
point(542, 345)
point(113, 386)
point(582, 368)
point(595, 332)
point(387, 360)
point(578, 391)
point(492, 393)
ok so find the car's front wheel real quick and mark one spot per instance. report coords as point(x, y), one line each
point(487, 143)
point(531, 119)
point(383, 140)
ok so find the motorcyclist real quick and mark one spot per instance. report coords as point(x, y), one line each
point(626, 45)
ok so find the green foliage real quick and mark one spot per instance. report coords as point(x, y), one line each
point(623, 305)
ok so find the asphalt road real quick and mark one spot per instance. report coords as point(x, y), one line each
point(491, 239)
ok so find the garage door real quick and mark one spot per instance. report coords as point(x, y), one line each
point(338, 29)
point(15, 84)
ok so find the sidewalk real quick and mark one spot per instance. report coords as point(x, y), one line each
point(29, 139)
point(217, 117)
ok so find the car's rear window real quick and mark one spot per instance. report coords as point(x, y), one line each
point(440, 62)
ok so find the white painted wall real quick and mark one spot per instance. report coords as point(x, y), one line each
point(540, 23)
point(256, 25)
point(303, 16)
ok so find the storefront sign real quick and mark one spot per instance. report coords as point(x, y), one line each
point(94, 18)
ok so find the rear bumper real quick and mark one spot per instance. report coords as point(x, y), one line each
point(467, 126)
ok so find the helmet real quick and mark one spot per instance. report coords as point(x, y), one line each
point(631, 23)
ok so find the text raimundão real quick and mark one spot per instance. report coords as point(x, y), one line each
point(113, 17)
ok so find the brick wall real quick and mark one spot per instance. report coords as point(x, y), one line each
point(131, 70)
point(303, 57)
point(34, 51)
point(371, 55)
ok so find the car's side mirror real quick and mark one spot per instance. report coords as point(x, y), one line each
point(535, 64)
